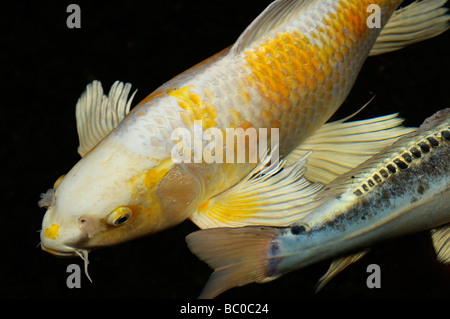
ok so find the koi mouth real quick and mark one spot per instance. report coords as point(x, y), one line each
point(82, 253)
point(65, 252)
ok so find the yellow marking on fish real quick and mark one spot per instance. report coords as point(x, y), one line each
point(183, 105)
point(52, 231)
point(203, 206)
point(245, 125)
point(232, 210)
point(236, 116)
point(292, 62)
point(181, 93)
point(152, 177)
point(196, 107)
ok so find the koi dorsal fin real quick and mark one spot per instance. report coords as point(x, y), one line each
point(272, 17)
point(97, 114)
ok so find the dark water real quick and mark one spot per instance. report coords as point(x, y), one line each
point(46, 66)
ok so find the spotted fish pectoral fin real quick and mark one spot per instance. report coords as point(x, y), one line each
point(97, 114)
point(270, 19)
point(237, 255)
point(270, 195)
point(416, 22)
point(337, 265)
point(441, 242)
point(337, 147)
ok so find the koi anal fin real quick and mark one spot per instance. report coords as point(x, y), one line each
point(97, 114)
point(237, 255)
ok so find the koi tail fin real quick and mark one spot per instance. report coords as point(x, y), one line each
point(419, 21)
point(237, 255)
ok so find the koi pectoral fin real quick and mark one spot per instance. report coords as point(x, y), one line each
point(97, 114)
point(237, 255)
point(270, 195)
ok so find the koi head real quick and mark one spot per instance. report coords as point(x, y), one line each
point(113, 195)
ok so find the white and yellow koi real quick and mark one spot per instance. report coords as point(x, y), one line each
point(291, 69)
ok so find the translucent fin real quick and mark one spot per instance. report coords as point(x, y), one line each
point(97, 114)
point(338, 147)
point(337, 266)
point(441, 243)
point(416, 22)
point(267, 196)
point(272, 17)
point(237, 255)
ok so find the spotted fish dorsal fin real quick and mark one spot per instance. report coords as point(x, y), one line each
point(97, 114)
point(273, 16)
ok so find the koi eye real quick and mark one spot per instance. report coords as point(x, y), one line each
point(121, 215)
point(58, 181)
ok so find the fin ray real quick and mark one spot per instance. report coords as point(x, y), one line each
point(337, 265)
point(340, 146)
point(97, 114)
point(268, 196)
point(416, 22)
point(441, 243)
point(273, 16)
point(237, 255)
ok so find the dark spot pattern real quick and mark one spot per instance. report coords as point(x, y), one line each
point(415, 152)
point(298, 229)
point(433, 141)
point(400, 164)
point(424, 146)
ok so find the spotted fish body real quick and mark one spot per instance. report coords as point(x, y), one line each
point(404, 189)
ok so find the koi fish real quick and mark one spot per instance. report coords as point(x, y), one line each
point(403, 189)
point(290, 70)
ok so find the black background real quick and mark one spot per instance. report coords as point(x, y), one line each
point(44, 68)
